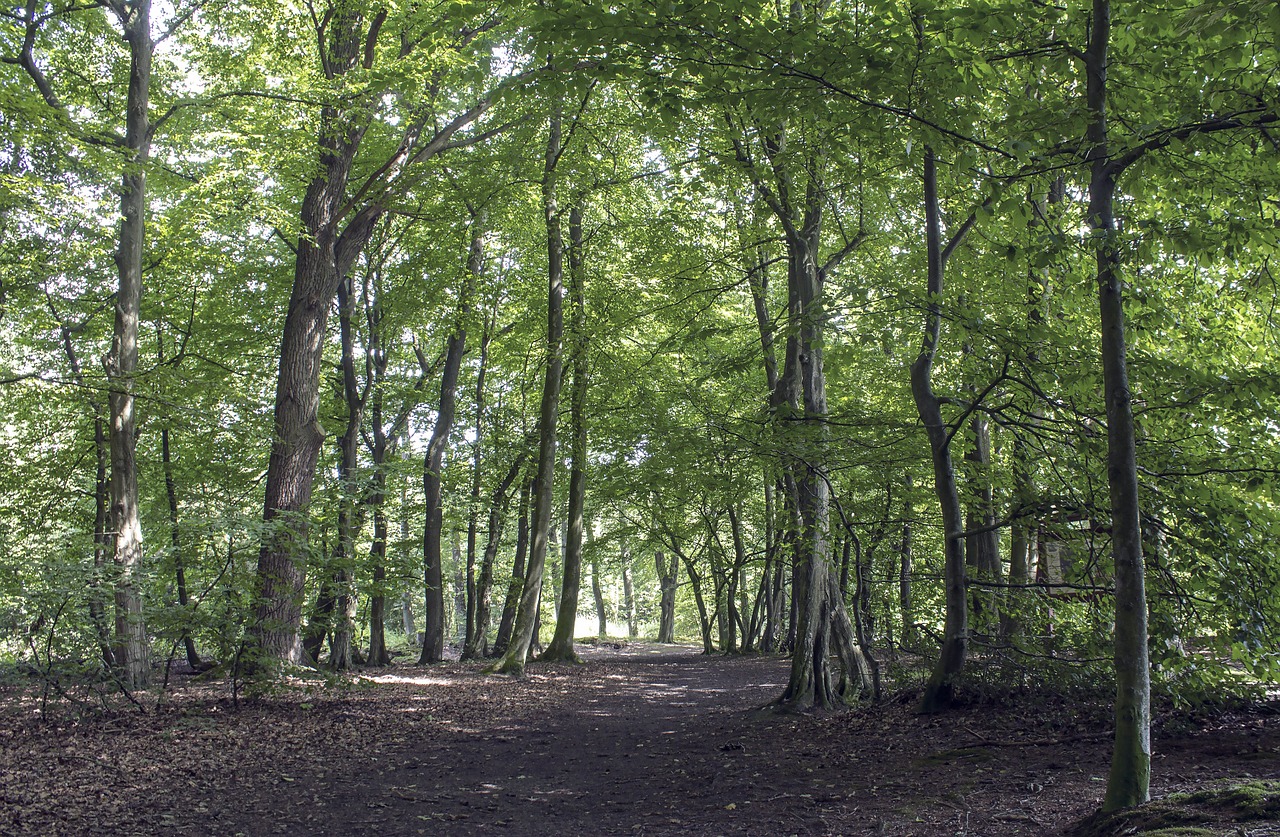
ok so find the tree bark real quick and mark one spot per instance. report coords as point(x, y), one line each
point(905, 601)
point(628, 595)
point(432, 466)
point(667, 582)
point(175, 541)
point(349, 524)
point(499, 503)
point(132, 653)
point(939, 691)
point(1129, 781)
point(513, 661)
point(324, 254)
point(982, 544)
point(507, 623)
point(561, 646)
point(470, 641)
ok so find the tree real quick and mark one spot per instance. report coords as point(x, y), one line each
point(131, 654)
point(337, 219)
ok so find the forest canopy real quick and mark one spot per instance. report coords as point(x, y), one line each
point(843, 330)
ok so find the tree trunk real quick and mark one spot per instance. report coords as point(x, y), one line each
point(459, 589)
point(561, 646)
point(1129, 781)
point(507, 624)
point(628, 595)
point(406, 618)
point(499, 503)
point(705, 618)
point(982, 544)
point(340, 657)
point(475, 265)
point(132, 653)
point(514, 659)
point(324, 254)
point(175, 540)
point(433, 464)
point(101, 502)
point(939, 691)
point(810, 683)
point(905, 603)
point(597, 592)
point(667, 581)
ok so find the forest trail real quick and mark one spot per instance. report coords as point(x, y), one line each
point(641, 740)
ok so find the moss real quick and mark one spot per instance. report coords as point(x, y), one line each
point(1252, 800)
point(1190, 814)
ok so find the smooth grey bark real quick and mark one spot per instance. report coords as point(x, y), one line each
point(1129, 780)
point(132, 653)
point(939, 691)
point(433, 465)
point(561, 646)
point(597, 593)
point(906, 604)
point(801, 392)
point(705, 618)
point(175, 541)
point(982, 543)
point(667, 582)
point(514, 588)
point(499, 503)
point(349, 517)
point(101, 496)
point(628, 594)
point(513, 661)
point(470, 639)
point(459, 589)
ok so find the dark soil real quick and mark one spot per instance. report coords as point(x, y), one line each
point(642, 740)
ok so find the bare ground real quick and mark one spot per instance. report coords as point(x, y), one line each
point(641, 740)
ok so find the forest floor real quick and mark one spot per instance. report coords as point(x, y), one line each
point(641, 740)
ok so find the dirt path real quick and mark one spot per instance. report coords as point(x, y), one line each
point(640, 741)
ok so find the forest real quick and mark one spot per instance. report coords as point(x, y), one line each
point(925, 350)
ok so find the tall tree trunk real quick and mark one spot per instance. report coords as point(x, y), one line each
point(499, 503)
point(340, 656)
point(101, 499)
point(810, 683)
point(705, 618)
point(433, 464)
point(735, 608)
point(597, 592)
point(459, 589)
point(939, 691)
point(101, 539)
point(325, 252)
point(517, 654)
point(132, 652)
point(561, 646)
point(175, 541)
point(906, 604)
point(667, 581)
point(1129, 781)
point(512, 604)
point(475, 265)
point(982, 544)
point(379, 655)
point(628, 594)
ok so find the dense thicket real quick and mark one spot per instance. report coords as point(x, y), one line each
point(827, 328)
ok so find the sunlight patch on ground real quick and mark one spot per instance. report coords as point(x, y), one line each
point(412, 681)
